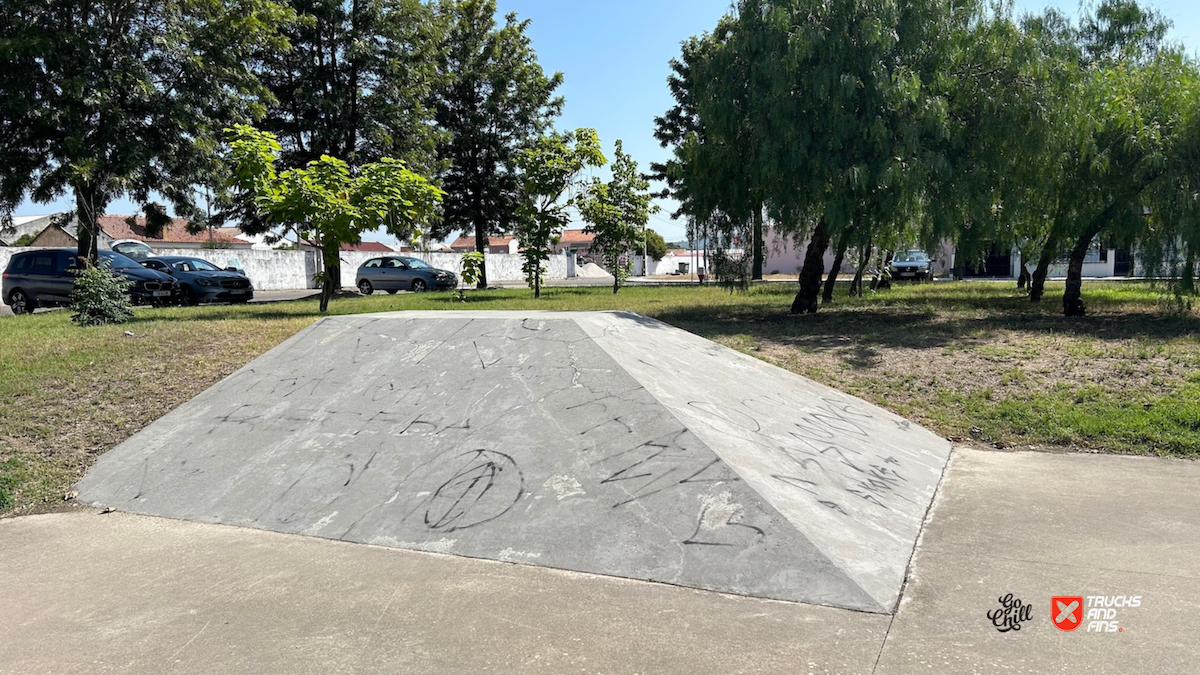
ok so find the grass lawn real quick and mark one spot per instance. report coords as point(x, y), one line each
point(969, 360)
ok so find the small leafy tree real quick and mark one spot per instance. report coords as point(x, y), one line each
point(472, 271)
point(550, 182)
point(617, 213)
point(100, 297)
point(324, 202)
point(655, 245)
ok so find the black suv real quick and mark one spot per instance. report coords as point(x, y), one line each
point(45, 278)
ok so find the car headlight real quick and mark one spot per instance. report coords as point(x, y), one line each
point(207, 282)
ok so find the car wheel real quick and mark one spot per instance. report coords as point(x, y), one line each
point(188, 297)
point(365, 287)
point(20, 303)
point(419, 286)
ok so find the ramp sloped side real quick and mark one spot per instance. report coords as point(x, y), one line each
point(855, 479)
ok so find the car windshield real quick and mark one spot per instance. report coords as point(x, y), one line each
point(117, 261)
point(197, 265)
point(912, 256)
point(416, 264)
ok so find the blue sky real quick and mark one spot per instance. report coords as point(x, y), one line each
point(614, 55)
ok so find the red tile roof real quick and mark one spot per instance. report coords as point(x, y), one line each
point(467, 243)
point(119, 227)
point(368, 247)
point(571, 237)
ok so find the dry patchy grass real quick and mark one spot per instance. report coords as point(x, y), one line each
point(966, 359)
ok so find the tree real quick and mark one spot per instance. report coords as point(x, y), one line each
point(617, 213)
point(124, 99)
point(496, 101)
point(857, 108)
point(324, 201)
point(550, 184)
point(1132, 107)
point(656, 246)
point(356, 84)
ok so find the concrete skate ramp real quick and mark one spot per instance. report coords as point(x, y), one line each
point(606, 443)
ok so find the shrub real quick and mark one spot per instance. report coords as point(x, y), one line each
point(100, 297)
point(472, 271)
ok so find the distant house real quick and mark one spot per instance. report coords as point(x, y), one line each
point(174, 235)
point(29, 226)
point(369, 247)
point(575, 241)
point(60, 236)
point(505, 244)
point(112, 228)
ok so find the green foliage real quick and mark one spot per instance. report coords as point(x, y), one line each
point(472, 270)
point(550, 184)
point(655, 245)
point(472, 266)
point(357, 83)
point(938, 120)
point(496, 101)
point(125, 99)
point(616, 213)
point(324, 202)
point(23, 240)
point(100, 297)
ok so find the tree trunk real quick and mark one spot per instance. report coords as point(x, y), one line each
point(1073, 297)
point(883, 278)
point(481, 246)
point(812, 271)
point(329, 259)
point(1023, 279)
point(831, 281)
point(614, 269)
point(1187, 283)
point(88, 231)
point(1037, 284)
point(537, 286)
point(756, 271)
point(960, 265)
point(864, 258)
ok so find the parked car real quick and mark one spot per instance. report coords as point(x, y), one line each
point(45, 278)
point(202, 281)
point(912, 264)
point(132, 249)
point(398, 273)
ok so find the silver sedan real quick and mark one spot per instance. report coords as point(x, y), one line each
point(398, 273)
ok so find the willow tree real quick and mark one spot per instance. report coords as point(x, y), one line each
point(828, 131)
point(1131, 108)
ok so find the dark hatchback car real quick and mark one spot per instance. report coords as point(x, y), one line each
point(44, 278)
point(202, 281)
point(398, 273)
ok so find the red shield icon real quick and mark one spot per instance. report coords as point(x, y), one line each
point(1067, 612)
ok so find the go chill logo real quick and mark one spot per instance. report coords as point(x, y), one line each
point(1098, 612)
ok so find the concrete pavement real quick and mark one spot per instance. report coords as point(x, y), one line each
point(86, 592)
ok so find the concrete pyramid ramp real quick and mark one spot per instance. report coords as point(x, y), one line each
point(598, 442)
